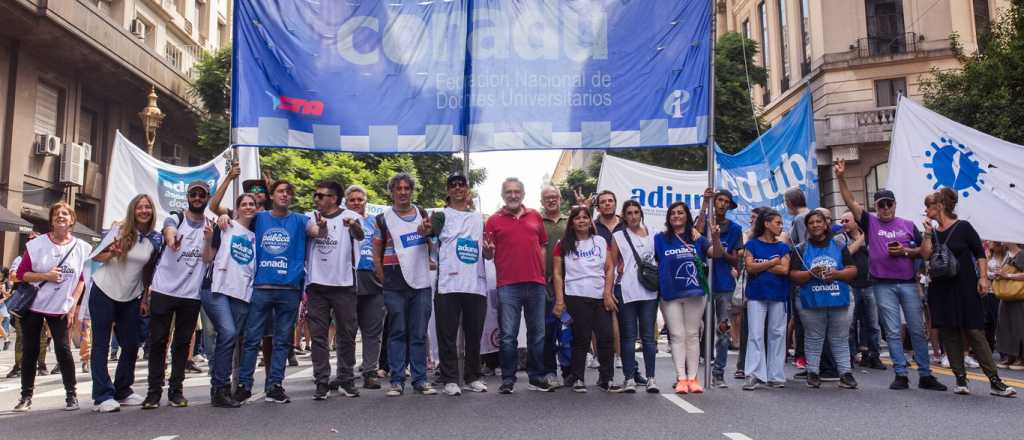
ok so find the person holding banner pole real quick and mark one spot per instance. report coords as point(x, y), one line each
point(638, 305)
point(370, 308)
point(893, 244)
point(722, 282)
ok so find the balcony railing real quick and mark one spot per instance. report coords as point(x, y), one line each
point(886, 45)
point(880, 116)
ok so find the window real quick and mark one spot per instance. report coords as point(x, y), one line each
point(805, 37)
point(982, 22)
point(875, 179)
point(885, 27)
point(887, 91)
point(784, 44)
point(173, 55)
point(48, 115)
point(762, 8)
point(746, 28)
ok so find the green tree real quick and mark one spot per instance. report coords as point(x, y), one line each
point(988, 92)
point(212, 87)
point(734, 122)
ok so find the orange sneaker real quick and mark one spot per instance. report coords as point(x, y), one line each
point(695, 387)
point(682, 386)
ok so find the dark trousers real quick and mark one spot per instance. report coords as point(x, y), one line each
point(322, 304)
point(453, 308)
point(552, 324)
point(121, 319)
point(589, 316)
point(32, 329)
point(957, 340)
point(741, 359)
point(165, 310)
point(19, 338)
point(370, 311)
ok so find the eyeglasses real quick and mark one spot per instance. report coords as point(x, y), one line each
point(457, 184)
point(322, 195)
point(257, 190)
point(197, 194)
point(885, 204)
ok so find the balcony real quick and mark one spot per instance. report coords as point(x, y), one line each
point(872, 50)
point(856, 127)
point(886, 45)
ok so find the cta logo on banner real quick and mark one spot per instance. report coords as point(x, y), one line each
point(173, 187)
point(654, 188)
point(395, 77)
point(782, 158)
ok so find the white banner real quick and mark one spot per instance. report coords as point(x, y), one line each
point(133, 171)
point(655, 188)
point(930, 151)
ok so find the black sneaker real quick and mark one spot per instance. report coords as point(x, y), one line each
point(739, 374)
point(900, 382)
point(875, 363)
point(1001, 389)
point(292, 361)
point(221, 398)
point(609, 387)
point(540, 384)
point(506, 388)
point(640, 380)
point(241, 395)
point(847, 381)
point(276, 395)
point(24, 404)
point(961, 386)
point(177, 399)
point(371, 382)
point(718, 381)
point(813, 380)
point(929, 382)
point(71, 402)
point(801, 375)
point(322, 390)
point(191, 367)
point(56, 369)
point(348, 389)
point(15, 372)
point(152, 401)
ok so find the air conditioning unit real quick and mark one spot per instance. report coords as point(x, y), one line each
point(138, 27)
point(47, 145)
point(72, 165)
point(86, 151)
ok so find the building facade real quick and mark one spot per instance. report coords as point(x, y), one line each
point(79, 71)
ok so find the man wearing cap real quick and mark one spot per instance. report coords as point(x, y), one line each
point(461, 286)
point(893, 244)
point(722, 282)
point(256, 187)
point(174, 295)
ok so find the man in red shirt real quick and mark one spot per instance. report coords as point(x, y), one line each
point(515, 238)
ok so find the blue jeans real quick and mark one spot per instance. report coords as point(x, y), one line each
point(515, 301)
point(408, 314)
point(123, 319)
point(823, 325)
point(723, 302)
point(891, 297)
point(637, 316)
point(281, 305)
point(227, 315)
point(865, 322)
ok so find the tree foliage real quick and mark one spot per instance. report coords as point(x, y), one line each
point(734, 114)
point(988, 92)
point(212, 87)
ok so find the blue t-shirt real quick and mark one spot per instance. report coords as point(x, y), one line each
point(366, 246)
point(767, 286)
point(721, 272)
point(677, 272)
point(280, 249)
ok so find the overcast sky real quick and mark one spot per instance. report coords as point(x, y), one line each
point(529, 166)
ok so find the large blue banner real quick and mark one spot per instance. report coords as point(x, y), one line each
point(439, 76)
point(782, 158)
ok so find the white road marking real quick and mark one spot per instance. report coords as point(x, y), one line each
point(166, 437)
point(686, 406)
point(736, 436)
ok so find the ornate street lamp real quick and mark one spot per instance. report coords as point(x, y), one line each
point(151, 117)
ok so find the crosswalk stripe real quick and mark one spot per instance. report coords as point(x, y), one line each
point(686, 406)
point(736, 436)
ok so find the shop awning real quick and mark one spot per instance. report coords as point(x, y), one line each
point(12, 222)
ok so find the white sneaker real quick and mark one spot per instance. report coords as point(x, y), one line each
point(554, 380)
point(199, 359)
point(452, 389)
point(107, 406)
point(477, 386)
point(618, 363)
point(592, 362)
point(132, 400)
point(629, 386)
point(969, 362)
point(651, 386)
point(945, 361)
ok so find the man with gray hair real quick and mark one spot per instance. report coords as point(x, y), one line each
point(370, 299)
point(401, 255)
point(515, 238)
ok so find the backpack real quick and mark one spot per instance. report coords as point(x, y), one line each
point(942, 265)
point(156, 238)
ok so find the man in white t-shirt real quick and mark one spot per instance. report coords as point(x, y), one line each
point(331, 292)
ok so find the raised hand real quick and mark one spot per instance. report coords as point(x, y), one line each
point(839, 168)
point(207, 230)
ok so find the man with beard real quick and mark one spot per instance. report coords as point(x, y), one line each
point(174, 295)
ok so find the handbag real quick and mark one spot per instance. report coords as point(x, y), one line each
point(25, 294)
point(646, 271)
point(1009, 290)
point(942, 265)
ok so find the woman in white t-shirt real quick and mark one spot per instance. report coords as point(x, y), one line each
point(638, 306)
point(584, 275)
point(231, 254)
point(114, 304)
point(52, 262)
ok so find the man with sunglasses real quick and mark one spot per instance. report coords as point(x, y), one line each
point(330, 286)
point(173, 297)
point(893, 244)
point(256, 187)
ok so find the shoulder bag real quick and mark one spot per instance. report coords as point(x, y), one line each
point(646, 271)
point(25, 294)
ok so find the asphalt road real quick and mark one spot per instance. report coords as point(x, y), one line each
point(795, 412)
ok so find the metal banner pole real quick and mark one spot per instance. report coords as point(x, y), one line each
point(709, 334)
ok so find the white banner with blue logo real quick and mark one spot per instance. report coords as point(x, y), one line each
point(930, 151)
point(655, 188)
point(439, 76)
point(782, 158)
point(134, 172)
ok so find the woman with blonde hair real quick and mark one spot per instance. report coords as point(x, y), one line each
point(115, 301)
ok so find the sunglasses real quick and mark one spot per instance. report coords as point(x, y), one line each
point(457, 184)
point(885, 204)
point(258, 190)
point(197, 194)
point(322, 195)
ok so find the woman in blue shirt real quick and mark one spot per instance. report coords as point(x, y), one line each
point(680, 275)
point(767, 263)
